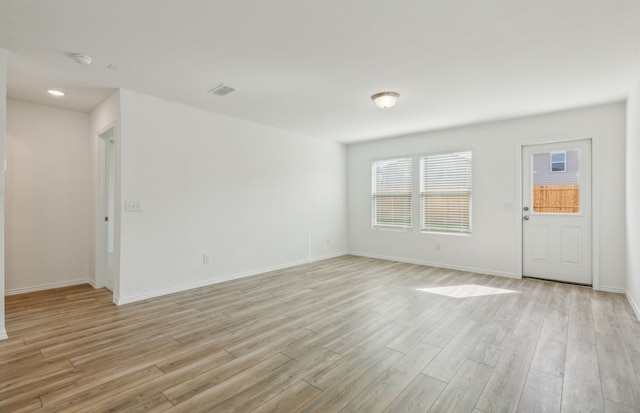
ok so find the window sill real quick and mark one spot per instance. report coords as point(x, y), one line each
point(460, 234)
point(392, 229)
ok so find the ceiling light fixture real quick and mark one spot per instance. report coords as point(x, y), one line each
point(385, 99)
point(55, 92)
point(82, 59)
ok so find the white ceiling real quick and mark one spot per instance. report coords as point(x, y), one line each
point(310, 66)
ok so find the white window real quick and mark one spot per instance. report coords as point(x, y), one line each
point(445, 192)
point(391, 191)
point(558, 161)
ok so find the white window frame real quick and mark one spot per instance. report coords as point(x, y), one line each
point(465, 182)
point(405, 219)
point(551, 162)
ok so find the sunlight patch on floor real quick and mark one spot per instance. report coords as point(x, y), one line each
point(466, 290)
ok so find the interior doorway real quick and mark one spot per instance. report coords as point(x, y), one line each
point(556, 211)
point(106, 244)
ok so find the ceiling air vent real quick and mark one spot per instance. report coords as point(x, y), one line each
point(221, 90)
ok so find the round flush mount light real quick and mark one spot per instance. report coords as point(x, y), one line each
point(385, 99)
point(56, 92)
point(82, 59)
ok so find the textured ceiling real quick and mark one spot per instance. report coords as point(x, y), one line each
point(311, 66)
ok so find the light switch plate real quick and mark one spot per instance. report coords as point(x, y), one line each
point(132, 206)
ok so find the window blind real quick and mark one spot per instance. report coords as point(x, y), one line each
point(445, 192)
point(391, 193)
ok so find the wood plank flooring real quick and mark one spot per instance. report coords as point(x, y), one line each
point(349, 334)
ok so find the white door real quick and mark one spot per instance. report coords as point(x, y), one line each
point(556, 216)
point(108, 208)
point(110, 175)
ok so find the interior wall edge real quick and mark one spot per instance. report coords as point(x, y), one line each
point(3, 125)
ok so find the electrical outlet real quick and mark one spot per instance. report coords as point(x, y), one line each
point(437, 247)
point(205, 259)
point(133, 206)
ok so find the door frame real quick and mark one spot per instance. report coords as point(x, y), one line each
point(595, 196)
point(101, 210)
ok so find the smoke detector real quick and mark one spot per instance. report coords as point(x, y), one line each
point(221, 90)
point(82, 59)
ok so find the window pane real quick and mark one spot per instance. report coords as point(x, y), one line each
point(445, 192)
point(556, 193)
point(558, 157)
point(391, 193)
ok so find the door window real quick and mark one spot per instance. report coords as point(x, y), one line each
point(556, 182)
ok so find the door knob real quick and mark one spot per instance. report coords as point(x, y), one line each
point(526, 217)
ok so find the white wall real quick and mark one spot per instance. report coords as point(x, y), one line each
point(3, 113)
point(48, 205)
point(252, 197)
point(492, 248)
point(633, 197)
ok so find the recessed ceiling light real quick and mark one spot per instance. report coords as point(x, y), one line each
point(55, 92)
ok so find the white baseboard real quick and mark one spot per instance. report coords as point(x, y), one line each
point(611, 289)
point(634, 305)
point(328, 256)
point(50, 286)
point(217, 280)
point(436, 264)
point(3, 335)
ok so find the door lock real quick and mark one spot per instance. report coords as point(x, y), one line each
point(525, 208)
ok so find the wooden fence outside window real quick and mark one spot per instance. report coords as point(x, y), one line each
point(559, 199)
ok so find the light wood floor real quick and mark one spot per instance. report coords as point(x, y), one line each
point(346, 334)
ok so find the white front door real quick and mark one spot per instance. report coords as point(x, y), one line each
point(556, 216)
